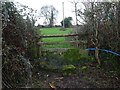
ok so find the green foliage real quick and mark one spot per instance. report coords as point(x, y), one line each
point(67, 22)
point(83, 68)
point(68, 69)
point(76, 57)
point(72, 56)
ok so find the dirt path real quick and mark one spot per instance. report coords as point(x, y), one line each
point(92, 78)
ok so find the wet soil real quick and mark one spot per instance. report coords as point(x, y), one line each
point(91, 78)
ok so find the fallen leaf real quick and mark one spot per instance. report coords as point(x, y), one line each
point(52, 86)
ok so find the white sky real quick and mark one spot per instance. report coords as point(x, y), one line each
point(68, 7)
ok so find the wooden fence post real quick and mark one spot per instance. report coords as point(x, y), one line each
point(39, 43)
point(38, 48)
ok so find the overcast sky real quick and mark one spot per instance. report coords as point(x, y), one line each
point(68, 7)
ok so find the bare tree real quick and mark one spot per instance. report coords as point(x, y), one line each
point(76, 10)
point(49, 13)
point(90, 18)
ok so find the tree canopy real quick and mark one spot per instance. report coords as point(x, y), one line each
point(67, 22)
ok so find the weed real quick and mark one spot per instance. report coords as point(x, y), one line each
point(68, 69)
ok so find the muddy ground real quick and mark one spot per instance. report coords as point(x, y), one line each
point(91, 78)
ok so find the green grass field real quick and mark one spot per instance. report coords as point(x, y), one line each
point(55, 31)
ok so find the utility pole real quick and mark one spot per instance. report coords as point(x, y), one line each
point(63, 14)
point(76, 12)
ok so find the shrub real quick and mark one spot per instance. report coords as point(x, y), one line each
point(72, 56)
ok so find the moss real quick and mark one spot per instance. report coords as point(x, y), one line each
point(68, 69)
point(83, 68)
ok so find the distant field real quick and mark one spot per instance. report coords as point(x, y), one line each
point(55, 31)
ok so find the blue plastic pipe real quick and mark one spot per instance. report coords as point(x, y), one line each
point(108, 51)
